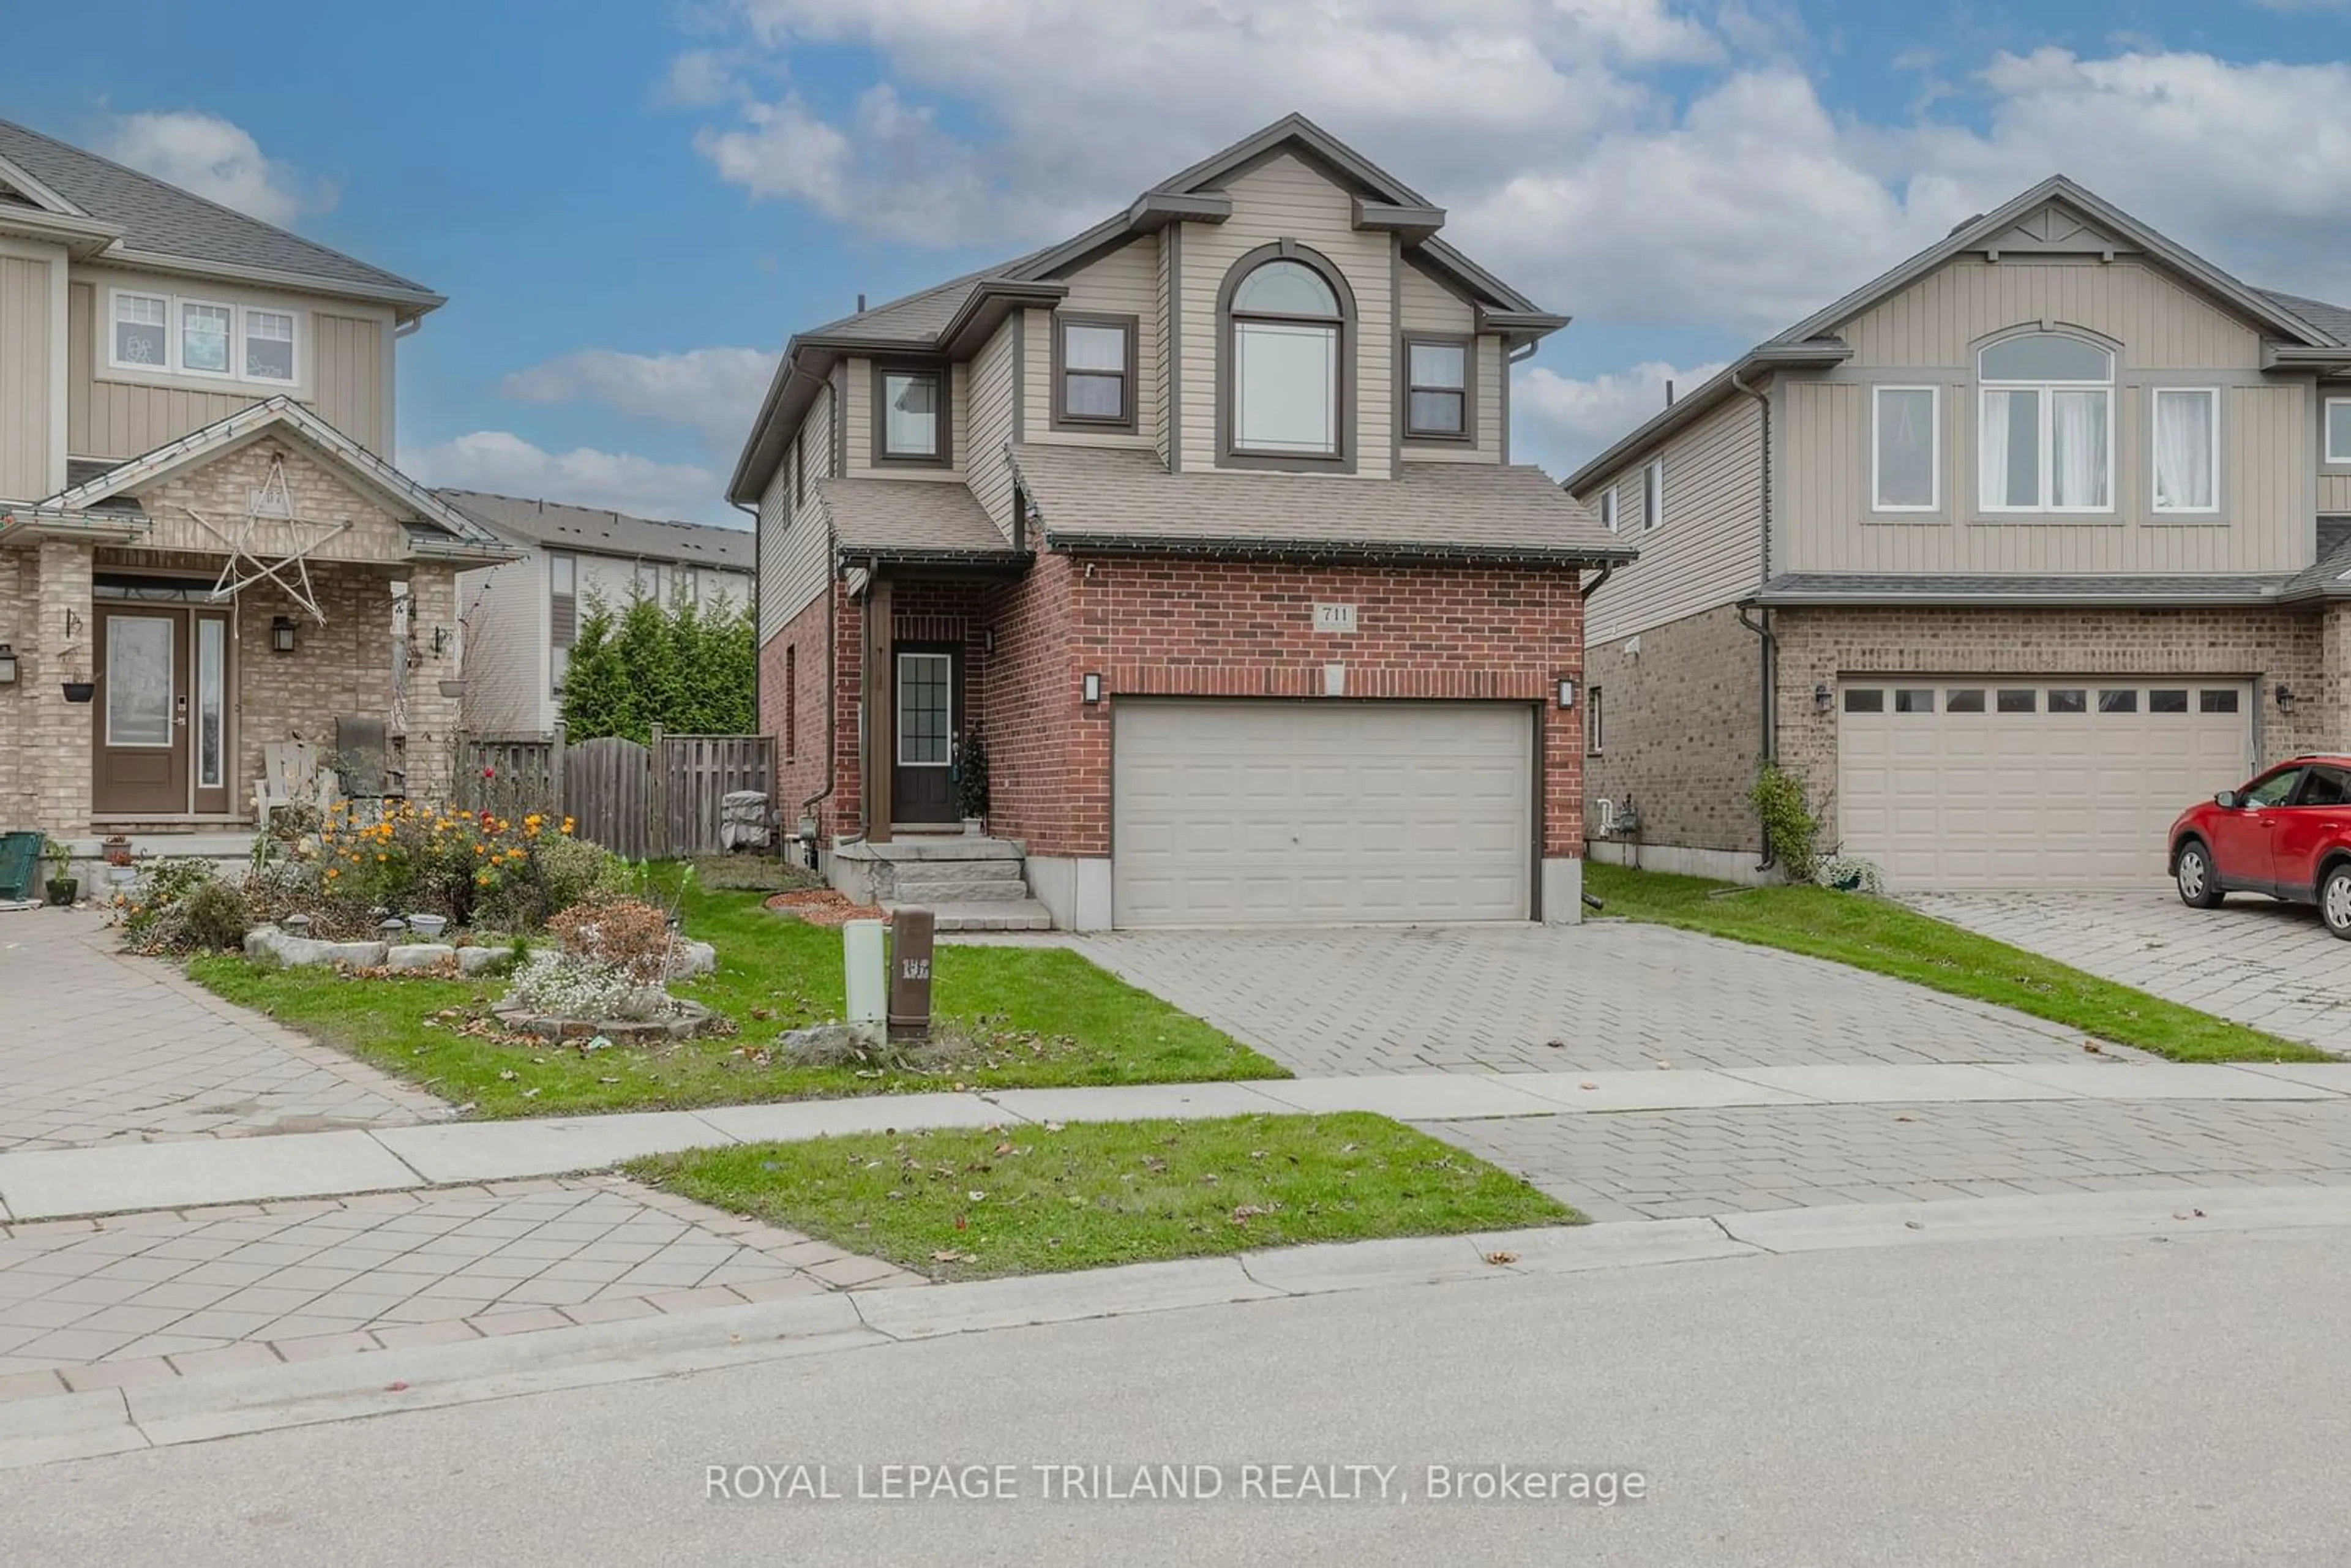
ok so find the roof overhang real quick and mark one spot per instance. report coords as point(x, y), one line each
point(83, 237)
point(1413, 224)
point(1819, 354)
point(2325, 362)
point(985, 310)
point(44, 520)
point(1007, 562)
point(1079, 541)
point(1155, 210)
point(2085, 595)
point(407, 303)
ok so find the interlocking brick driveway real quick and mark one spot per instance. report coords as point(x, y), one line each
point(145, 1296)
point(2260, 963)
point(1493, 998)
point(1660, 1165)
point(97, 1048)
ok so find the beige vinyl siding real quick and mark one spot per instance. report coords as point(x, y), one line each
point(115, 419)
point(2334, 492)
point(1708, 550)
point(347, 360)
point(861, 426)
point(1284, 198)
point(1825, 524)
point(1126, 282)
point(794, 542)
point(991, 422)
point(2162, 326)
point(504, 612)
point(25, 345)
point(2335, 481)
point(1425, 305)
point(1164, 321)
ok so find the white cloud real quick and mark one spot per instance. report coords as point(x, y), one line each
point(215, 158)
point(505, 463)
point(713, 391)
point(1561, 423)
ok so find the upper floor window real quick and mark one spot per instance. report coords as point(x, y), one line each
point(1653, 495)
point(164, 333)
point(1436, 388)
point(1093, 371)
point(1608, 509)
point(562, 616)
point(1906, 449)
point(2187, 449)
point(2338, 430)
point(647, 582)
point(1287, 329)
point(909, 425)
point(2047, 439)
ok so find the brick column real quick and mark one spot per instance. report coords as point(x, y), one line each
point(431, 717)
point(57, 764)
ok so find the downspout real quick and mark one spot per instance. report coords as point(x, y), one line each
point(1767, 644)
point(758, 681)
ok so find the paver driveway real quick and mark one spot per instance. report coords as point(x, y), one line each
point(97, 1048)
point(2268, 965)
point(1611, 994)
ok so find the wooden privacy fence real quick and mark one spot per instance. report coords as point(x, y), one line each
point(646, 802)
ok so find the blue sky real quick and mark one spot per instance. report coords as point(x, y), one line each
point(632, 206)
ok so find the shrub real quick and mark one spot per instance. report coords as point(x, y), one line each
point(180, 907)
point(1851, 874)
point(213, 918)
point(570, 984)
point(1789, 829)
point(626, 936)
point(474, 867)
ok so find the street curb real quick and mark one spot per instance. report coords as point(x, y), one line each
point(79, 1425)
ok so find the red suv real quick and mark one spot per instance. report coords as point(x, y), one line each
point(2287, 833)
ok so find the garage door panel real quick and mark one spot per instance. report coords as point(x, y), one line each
point(1259, 812)
point(2035, 798)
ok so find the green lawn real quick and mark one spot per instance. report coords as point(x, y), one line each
point(1890, 938)
point(1037, 1199)
point(1040, 1016)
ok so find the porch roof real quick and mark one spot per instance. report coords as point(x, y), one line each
point(912, 522)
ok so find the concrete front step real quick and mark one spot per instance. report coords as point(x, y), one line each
point(940, 847)
point(1010, 890)
point(940, 874)
point(994, 914)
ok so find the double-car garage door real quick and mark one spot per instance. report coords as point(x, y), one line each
point(1240, 812)
point(1985, 782)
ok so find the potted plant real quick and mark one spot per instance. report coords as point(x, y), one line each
point(117, 850)
point(971, 780)
point(62, 889)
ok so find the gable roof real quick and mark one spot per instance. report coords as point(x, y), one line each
point(955, 317)
point(595, 530)
point(2298, 322)
point(436, 528)
point(156, 223)
point(910, 521)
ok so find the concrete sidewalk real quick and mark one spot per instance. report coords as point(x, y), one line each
point(70, 1182)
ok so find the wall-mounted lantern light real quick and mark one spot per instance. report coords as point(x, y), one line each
point(440, 640)
point(1091, 688)
point(1566, 692)
point(7, 665)
point(1821, 696)
point(281, 634)
point(2285, 698)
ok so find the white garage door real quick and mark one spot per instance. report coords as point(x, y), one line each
point(1983, 782)
point(1241, 814)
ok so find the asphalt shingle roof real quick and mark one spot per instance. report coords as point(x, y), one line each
point(161, 218)
point(909, 516)
point(1462, 510)
point(2334, 321)
point(600, 532)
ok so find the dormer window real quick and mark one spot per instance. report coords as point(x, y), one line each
point(1094, 372)
point(910, 422)
point(1436, 389)
point(2046, 441)
point(1287, 324)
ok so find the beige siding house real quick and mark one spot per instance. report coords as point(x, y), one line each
point(519, 618)
point(2008, 556)
point(203, 545)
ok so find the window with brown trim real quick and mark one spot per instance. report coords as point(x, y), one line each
point(1095, 371)
point(911, 416)
point(1436, 388)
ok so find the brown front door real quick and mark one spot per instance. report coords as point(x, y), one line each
point(140, 714)
point(927, 710)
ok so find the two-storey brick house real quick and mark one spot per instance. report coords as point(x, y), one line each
point(1205, 520)
point(2008, 556)
point(202, 548)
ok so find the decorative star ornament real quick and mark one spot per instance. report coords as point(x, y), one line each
point(272, 505)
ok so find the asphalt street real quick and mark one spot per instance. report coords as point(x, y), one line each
point(2083, 1403)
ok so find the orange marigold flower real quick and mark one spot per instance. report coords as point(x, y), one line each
point(332, 871)
point(381, 858)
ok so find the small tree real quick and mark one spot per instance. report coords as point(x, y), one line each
point(1790, 828)
point(683, 668)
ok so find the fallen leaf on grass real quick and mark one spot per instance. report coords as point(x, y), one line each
point(1912, 1225)
point(976, 1197)
point(1587, 1086)
point(2190, 1214)
point(507, 1074)
point(1502, 1260)
point(950, 1256)
point(1906, 1118)
point(1052, 1126)
point(2094, 1048)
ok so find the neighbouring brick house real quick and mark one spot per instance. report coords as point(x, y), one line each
point(2009, 556)
point(200, 552)
point(1205, 520)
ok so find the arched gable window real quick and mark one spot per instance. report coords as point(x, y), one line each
point(2046, 436)
point(1288, 324)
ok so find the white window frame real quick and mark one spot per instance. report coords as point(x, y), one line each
point(1877, 502)
point(240, 360)
point(175, 306)
point(1595, 720)
point(1653, 495)
point(1608, 509)
point(2047, 392)
point(2326, 432)
point(2154, 454)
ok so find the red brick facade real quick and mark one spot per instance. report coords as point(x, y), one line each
point(1175, 627)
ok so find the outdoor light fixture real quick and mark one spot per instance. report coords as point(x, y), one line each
point(281, 634)
point(7, 665)
point(1566, 692)
point(1821, 696)
point(440, 640)
point(2285, 698)
point(987, 639)
point(1091, 688)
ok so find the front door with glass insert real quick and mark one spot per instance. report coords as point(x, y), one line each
point(922, 775)
point(140, 714)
